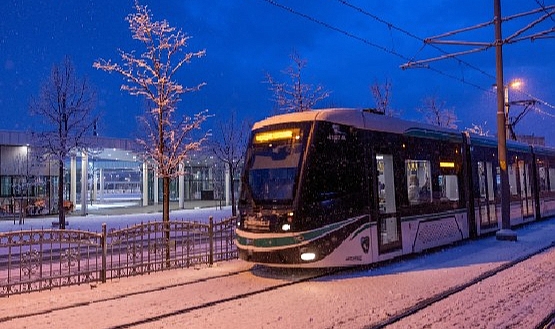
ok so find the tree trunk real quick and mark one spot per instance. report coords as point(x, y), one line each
point(166, 216)
point(61, 211)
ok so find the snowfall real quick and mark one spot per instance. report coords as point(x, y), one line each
point(519, 297)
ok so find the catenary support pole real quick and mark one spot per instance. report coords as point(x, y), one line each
point(505, 233)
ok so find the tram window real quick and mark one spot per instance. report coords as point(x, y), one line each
point(482, 180)
point(542, 178)
point(513, 169)
point(449, 187)
point(386, 183)
point(552, 179)
point(527, 175)
point(486, 180)
point(418, 181)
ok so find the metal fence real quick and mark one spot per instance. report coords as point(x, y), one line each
point(35, 260)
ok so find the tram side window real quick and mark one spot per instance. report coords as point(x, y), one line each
point(524, 172)
point(545, 175)
point(418, 181)
point(488, 182)
point(448, 182)
point(552, 179)
point(542, 173)
point(512, 171)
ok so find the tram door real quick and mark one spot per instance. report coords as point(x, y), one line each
point(389, 221)
point(523, 170)
point(486, 199)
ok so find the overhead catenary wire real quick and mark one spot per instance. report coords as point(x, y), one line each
point(412, 35)
point(370, 43)
point(392, 26)
point(454, 56)
point(542, 5)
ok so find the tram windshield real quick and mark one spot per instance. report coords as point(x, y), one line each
point(273, 165)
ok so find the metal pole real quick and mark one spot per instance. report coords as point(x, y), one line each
point(505, 233)
point(211, 240)
point(104, 243)
point(506, 100)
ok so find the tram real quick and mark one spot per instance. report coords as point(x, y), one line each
point(345, 187)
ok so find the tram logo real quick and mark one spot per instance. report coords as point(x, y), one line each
point(365, 244)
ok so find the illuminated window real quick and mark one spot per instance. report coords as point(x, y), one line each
point(419, 188)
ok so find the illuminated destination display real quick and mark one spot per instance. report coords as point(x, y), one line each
point(276, 135)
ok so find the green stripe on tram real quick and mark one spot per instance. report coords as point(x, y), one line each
point(290, 240)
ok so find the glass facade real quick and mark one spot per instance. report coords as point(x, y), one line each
point(30, 183)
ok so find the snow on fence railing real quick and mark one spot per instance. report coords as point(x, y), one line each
point(34, 260)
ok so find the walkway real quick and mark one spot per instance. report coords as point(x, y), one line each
point(133, 207)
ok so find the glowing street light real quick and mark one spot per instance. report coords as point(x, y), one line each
point(515, 84)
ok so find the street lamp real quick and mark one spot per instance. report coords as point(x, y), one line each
point(515, 84)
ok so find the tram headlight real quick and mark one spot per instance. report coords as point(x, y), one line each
point(308, 256)
point(286, 227)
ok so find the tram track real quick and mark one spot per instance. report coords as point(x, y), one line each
point(245, 292)
point(232, 298)
point(119, 296)
point(547, 322)
point(242, 286)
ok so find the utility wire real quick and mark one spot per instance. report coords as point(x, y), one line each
point(392, 52)
point(542, 5)
point(412, 35)
point(366, 41)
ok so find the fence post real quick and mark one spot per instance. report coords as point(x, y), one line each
point(104, 242)
point(211, 240)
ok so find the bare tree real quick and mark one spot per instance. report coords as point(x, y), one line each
point(436, 114)
point(169, 137)
point(478, 130)
point(296, 96)
point(229, 147)
point(382, 97)
point(65, 104)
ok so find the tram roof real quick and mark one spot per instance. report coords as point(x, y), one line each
point(365, 119)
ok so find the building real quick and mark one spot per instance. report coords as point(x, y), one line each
point(114, 172)
point(531, 139)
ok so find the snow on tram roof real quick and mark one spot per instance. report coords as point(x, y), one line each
point(366, 119)
point(359, 118)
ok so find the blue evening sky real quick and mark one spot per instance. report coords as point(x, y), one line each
point(347, 49)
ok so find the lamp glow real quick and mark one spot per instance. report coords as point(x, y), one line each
point(308, 256)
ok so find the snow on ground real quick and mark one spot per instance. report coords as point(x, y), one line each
point(517, 298)
point(93, 222)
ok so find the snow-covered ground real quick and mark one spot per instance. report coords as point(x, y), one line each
point(516, 298)
point(94, 222)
